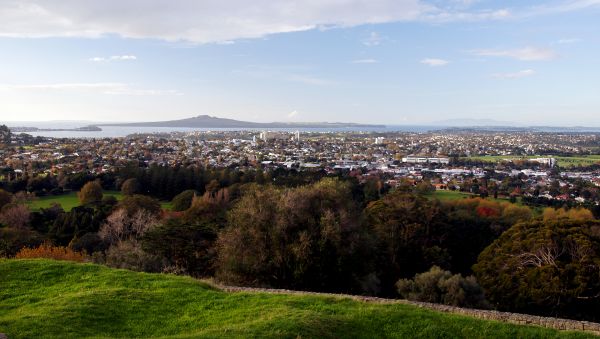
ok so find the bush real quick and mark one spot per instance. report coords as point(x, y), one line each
point(48, 251)
point(15, 215)
point(130, 187)
point(130, 255)
point(439, 286)
point(183, 200)
point(309, 238)
point(548, 268)
point(90, 193)
point(12, 240)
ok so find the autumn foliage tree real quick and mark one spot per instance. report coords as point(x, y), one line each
point(544, 267)
point(309, 238)
point(91, 192)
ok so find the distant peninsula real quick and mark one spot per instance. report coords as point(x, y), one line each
point(90, 128)
point(207, 121)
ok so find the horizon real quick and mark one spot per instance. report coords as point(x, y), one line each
point(406, 62)
point(451, 123)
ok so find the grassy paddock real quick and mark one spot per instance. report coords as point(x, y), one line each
point(447, 195)
point(51, 299)
point(70, 200)
point(584, 160)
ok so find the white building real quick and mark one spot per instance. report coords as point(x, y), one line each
point(413, 159)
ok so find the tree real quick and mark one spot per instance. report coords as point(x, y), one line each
point(406, 228)
point(130, 187)
point(439, 286)
point(308, 237)
point(91, 192)
point(548, 268)
point(5, 198)
point(120, 226)
point(183, 200)
point(15, 216)
point(189, 247)
point(133, 203)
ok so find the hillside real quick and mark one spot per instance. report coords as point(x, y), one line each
point(42, 298)
point(207, 121)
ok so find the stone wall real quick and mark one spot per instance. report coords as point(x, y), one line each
point(507, 317)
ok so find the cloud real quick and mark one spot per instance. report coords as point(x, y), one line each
point(228, 20)
point(123, 57)
point(373, 39)
point(444, 16)
point(365, 61)
point(112, 88)
point(514, 75)
point(568, 41)
point(113, 58)
point(292, 114)
point(524, 54)
point(310, 80)
point(195, 21)
point(434, 62)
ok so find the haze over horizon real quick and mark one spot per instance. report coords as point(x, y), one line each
point(382, 62)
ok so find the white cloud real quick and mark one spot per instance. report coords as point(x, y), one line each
point(524, 54)
point(112, 88)
point(568, 41)
point(514, 75)
point(365, 61)
point(442, 15)
point(113, 58)
point(434, 62)
point(310, 80)
point(292, 114)
point(373, 39)
point(123, 57)
point(228, 20)
point(195, 21)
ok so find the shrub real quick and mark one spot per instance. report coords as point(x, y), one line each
point(90, 193)
point(48, 251)
point(130, 187)
point(130, 255)
point(439, 286)
point(548, 267)
point(15, 216)
point(183, 200)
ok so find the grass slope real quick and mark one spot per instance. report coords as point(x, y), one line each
point(70, 200)
point(51, 299)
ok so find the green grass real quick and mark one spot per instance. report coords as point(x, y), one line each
point(584, 160)
point(51, 299)
point(70, 200)
point(452, 195)
point(444, 195)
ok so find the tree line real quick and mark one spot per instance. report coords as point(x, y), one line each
point(331, 235)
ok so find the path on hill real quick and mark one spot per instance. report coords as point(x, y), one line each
point(507, 317)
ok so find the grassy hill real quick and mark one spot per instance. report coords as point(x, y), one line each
point(42, 298)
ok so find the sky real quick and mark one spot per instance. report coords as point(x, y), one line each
point(392, 62)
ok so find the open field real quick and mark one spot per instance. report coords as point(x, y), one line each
point(586, 160)
point(445, 195)
point(51, 299)
point(70, 200)
point(452, 195)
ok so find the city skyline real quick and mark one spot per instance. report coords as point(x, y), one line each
point(389, 62)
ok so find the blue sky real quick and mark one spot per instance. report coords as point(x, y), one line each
point(377, 61)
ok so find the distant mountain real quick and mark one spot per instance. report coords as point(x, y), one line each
point(206, 121)
point(473, 122)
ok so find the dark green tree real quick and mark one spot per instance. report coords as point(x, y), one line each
point(548, 268)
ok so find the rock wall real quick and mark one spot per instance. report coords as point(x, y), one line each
point(507, 317)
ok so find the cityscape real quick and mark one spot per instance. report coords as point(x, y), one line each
point(299, 169)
